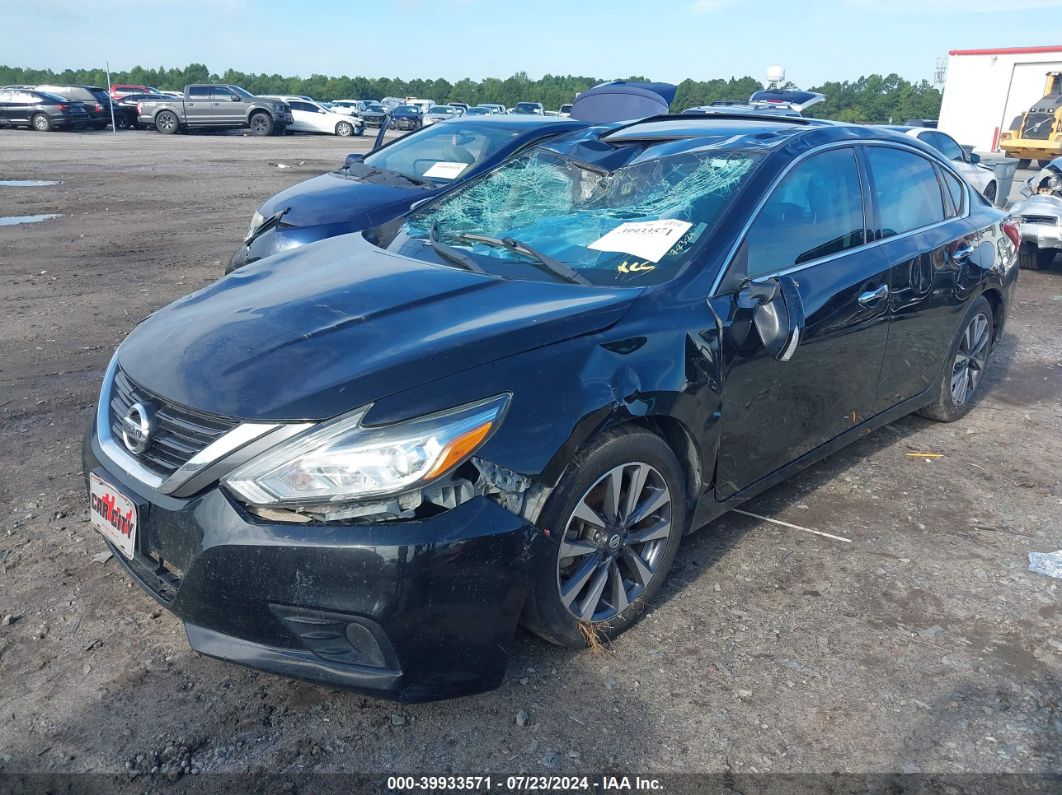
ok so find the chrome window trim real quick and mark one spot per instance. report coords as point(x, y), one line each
point(732, 253)
point(243, 435)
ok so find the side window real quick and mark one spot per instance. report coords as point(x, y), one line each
point(906, 190)
point(306, 106)
point(951, 150)
point(222, 94)
point(956, 191)
point(815, 211)
point(199, 92)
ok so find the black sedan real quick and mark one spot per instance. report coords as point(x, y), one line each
point(384, 184)
point(126, 113)
point(95, 99)
point(21, 107)
point(365, 461)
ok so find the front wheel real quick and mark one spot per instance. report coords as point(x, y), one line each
point(1024, 162)
point(41, 123)
point(344, 129)
point(261, 124)
point(166, 122)
point(965, 367)
point(1033, 258)
point(615, 520)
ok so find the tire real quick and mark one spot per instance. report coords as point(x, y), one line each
point(1024, 162)
point(41, 123)
point(1042, 163)
point(261, 124)
point(1033, 258)
point(344, 129)
point(100, 125)
point(589, 560)
point(990, 192)
point(965, 365)
point(166, 122)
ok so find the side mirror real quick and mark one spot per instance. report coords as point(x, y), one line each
point(352, 159)
point(233, 98)
point(777, 314)
point(975, 159)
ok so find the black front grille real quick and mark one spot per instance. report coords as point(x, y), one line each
point(1037, 125)
point(1046, 220)
point(182, 432)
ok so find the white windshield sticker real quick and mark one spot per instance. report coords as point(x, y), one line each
point(445, 170)
point(649, 240)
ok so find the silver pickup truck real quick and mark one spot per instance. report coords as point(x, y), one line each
point(208, 106)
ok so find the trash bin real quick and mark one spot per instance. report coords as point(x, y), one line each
point(1004, 169)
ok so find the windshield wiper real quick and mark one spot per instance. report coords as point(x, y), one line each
point(544, 261)
point(374, 170)
point(266, 225)
point(451, 254)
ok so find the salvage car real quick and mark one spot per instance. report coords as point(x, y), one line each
point(309, 116)
point(438, 113)
point(23, 107)
point(377, 187)
point(407, 117)
point(362, 463)
point(373, 115)
point(1040, 214)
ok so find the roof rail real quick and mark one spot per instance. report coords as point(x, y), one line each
point(685, 117)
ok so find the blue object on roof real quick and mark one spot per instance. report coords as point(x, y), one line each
point(622, 101)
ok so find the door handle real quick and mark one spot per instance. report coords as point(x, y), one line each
point(963, 251)
point(873, 296)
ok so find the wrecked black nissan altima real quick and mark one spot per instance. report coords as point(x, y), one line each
point(510, 405)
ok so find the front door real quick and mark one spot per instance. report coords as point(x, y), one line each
point(812, 230)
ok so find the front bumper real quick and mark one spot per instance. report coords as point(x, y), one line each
point(1042, 235)
point(413, 610)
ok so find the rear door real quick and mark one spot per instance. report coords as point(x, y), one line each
point(199, 105)
point(918, 215)
point(7, 110)
point(811, 229)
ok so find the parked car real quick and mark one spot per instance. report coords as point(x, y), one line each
point(374, 188)
point(390, 103)
point(438, 113)
point(407, 117)
point(40, 110)
point(363, 462)
point(312, 117)
point(119, 90)
point(565, 110)
point(969, 165)
point(479, 111)
point(494, 108)
point(460, 107)
point(208, 106)
point(351, 107)
point(96, 101)
point(373, 115)
point(1040, 216)
point(126, 109)
point(529, 107)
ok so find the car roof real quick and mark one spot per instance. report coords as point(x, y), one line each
point(715, 125)
point(522, 122)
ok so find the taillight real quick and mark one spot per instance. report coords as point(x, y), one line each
point(99, 106)
point(140, 109)
point(1011, 230)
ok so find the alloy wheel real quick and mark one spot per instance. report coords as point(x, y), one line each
point(970, 359)
point(614, 542)
point(40, 123)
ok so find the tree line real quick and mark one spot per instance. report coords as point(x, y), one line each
point(873, 98)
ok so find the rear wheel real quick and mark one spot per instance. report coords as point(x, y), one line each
point(344, 129)
point(965, 367)
point(616, 519)
point(1024, 162)
point(41, 122)
point(1033, 258)
point(166, 122)
point(261, 124)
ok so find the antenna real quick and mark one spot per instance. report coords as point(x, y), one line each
point(775, 77)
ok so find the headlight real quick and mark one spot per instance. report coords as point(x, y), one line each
point(1054, 183)
point(256, 221)
point(343, 461)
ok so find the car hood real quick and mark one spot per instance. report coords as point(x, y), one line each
point(316, 332)
point(334, 198)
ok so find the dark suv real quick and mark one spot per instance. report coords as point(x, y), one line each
point(364, 461)
point(96, 100)
point(21, 107)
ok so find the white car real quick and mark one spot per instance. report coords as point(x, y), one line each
point(440, 113)
point(349, 107)
point(312, 117)
point(981, 177)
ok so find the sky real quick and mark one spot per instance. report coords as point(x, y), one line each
point(668, 40)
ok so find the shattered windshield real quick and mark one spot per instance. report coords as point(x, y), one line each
point(630, 227)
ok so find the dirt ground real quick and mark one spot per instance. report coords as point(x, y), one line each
point(924, 645)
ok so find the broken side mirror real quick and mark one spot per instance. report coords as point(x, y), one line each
point(777, 314)
point(352, 159)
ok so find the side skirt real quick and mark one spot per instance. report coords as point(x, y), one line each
point(709, 508)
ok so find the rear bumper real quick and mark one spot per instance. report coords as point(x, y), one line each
point(413, 611)
point(1042, 235)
